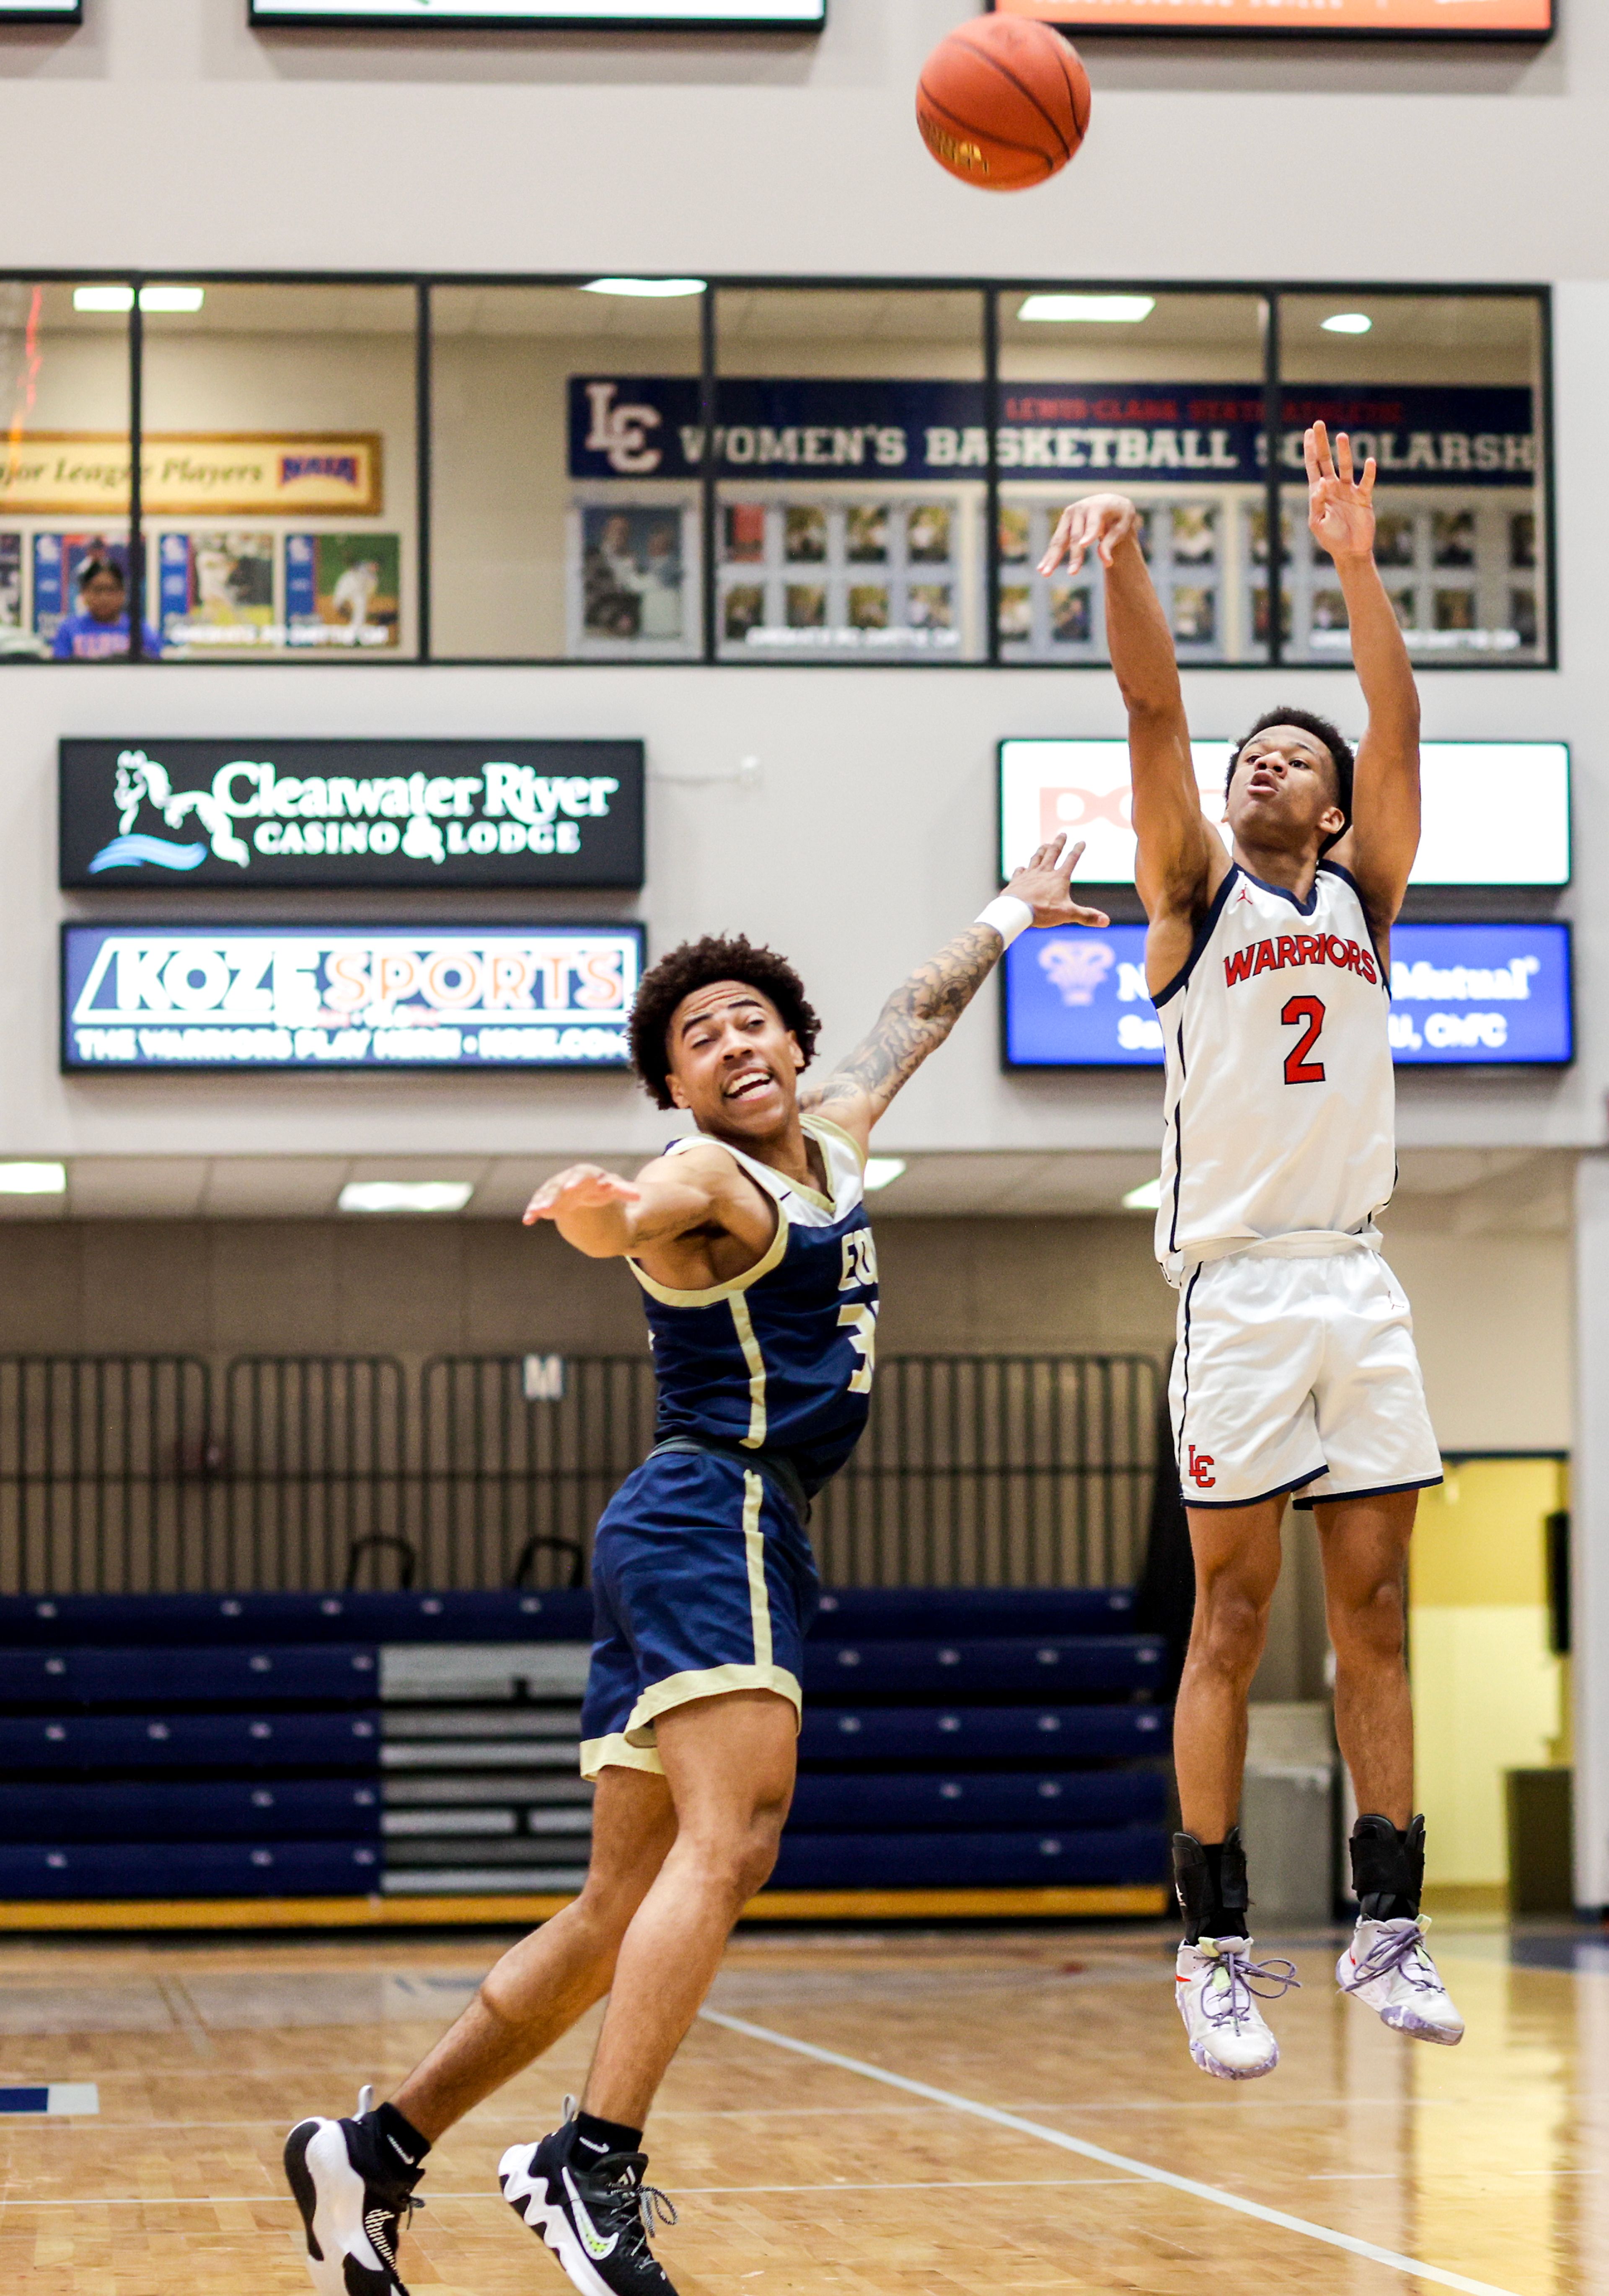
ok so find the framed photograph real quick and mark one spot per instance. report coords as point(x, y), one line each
point(633, 583)
point(343, 590)
point(215, 591)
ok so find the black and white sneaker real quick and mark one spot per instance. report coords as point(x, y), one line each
point(594, 2215)
point(355, 2191)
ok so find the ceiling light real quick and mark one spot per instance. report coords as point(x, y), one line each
point(1145, 1198)
point(1112, 310)
point(405, 1195)
point(152, 299)
point(880, 1171)
point(644, 287)
point(1347, 322)
point(33, 1179)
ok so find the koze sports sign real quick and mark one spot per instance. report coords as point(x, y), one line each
point(336, 814)
point(346, 996)
point(1473, 996)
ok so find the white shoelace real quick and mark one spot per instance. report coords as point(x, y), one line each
point(1249, 1982)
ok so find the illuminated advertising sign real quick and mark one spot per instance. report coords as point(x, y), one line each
point(1494, 813)
point(263, 813)
point(348, 996)
point(1419, 20)
point(1476, 996)
point(492, 15)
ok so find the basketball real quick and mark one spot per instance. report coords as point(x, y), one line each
point(1002, 102)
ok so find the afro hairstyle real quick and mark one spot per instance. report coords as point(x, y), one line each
point(1334, 741)
point(695, 965)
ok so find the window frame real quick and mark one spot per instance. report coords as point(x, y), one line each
point(1270, 293)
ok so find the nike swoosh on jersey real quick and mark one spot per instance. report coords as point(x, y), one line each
point(595, 2248)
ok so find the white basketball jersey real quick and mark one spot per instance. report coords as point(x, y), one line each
point(1280, 1096)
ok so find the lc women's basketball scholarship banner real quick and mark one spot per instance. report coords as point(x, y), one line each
point(835, 427)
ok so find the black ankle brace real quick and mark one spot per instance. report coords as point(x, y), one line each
point(1210, 1882)
point(1388, 1868)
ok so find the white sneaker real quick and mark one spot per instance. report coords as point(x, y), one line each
point(1217, 1988)
point(1387, 1968)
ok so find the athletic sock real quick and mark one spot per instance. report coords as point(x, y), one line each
point(1210, 1882)
point(398, 2135)
point(597, 2137)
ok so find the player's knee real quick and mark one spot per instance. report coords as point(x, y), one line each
point(1369, 1622)
point(1232, 1626)
point(736, 1858)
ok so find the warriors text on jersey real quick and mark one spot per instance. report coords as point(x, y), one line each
point(1280, 1095)
point(781, 1359)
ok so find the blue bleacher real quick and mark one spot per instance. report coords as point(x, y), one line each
point(251, 1745)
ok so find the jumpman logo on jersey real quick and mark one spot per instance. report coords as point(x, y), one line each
point(1244, 894)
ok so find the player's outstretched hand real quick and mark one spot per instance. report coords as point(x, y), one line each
point(1097, 522)
point(580, 1188)
point(1341, 507)
point(1045, 884)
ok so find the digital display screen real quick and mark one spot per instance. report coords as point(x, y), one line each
point(41, 11)
point(1470, 19)
point(257, 813)
point(1479, 995)
point(348, 996)
point(1494, 813)
point(480, 15)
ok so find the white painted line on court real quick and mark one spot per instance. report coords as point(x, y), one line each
point(1142, 2169)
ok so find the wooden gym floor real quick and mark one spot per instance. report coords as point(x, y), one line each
point(890, 2115)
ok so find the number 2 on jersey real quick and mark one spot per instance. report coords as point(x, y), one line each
point(1305, 1012)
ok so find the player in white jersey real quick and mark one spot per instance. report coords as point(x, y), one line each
point(1295, 1371)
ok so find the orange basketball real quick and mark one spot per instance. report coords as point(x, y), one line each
point(1002, 102)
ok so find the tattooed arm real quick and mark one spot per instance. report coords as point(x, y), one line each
point(922, 1010)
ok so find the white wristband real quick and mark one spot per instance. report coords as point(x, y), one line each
point(1008, 915)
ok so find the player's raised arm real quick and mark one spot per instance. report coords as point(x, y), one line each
point(608, 1218)
point(1180, 859)
point(1379, 848)
point(922, 1010)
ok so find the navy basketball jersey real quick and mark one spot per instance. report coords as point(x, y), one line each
point(781, 1359)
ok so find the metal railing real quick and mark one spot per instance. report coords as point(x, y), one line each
point(157, 1474)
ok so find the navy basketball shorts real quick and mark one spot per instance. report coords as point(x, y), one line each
point(703, 1581)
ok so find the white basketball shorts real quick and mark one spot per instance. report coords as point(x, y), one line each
point(1298, 1374)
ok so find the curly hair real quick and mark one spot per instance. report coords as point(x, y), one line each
point(1321, 729)
point(694, 965)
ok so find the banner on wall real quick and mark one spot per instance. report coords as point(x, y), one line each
point(1463, 996)
point(1493, 813)
point(263, 813)
point(1470, 19)
point(56, 473)
point(834, 427)
point(348, 996)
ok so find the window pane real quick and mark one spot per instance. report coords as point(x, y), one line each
point(566, 510)
point(1160, 399)
point(278, 471)
point(1445, 391)
point(851, 454)
point(64, 480)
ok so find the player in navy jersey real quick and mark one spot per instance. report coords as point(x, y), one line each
point(1295, 1369)
point(750, 1239)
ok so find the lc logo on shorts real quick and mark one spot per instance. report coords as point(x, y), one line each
point(1200, 1468)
